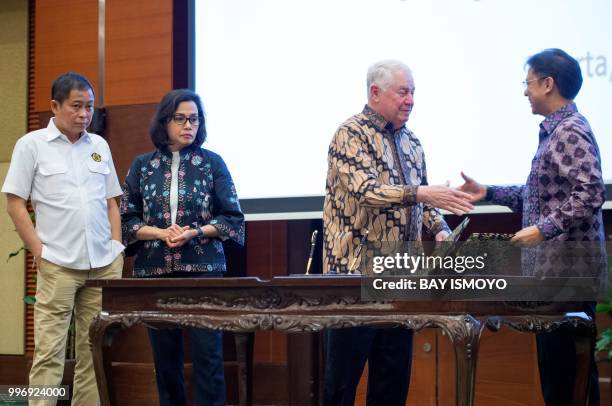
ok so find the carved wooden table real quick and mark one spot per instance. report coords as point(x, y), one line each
point(313, 303)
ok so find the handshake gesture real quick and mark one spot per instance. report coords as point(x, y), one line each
point(527, 237)
point(458, 200)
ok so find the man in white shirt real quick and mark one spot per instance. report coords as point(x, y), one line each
point(69, 176)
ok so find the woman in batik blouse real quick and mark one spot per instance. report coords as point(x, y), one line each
point(179, 204)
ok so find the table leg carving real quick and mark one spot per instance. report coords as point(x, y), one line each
point(464, 332)
point(101, 332)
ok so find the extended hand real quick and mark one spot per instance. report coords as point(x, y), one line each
point(527, 237)
point(473, 188)
point(443, 197)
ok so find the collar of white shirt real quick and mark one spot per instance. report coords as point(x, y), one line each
point(53, 132)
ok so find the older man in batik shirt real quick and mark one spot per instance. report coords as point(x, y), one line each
point(374, 173)
point(377, 182)
point(561, 201)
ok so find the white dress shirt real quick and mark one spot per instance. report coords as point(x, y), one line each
point(69, 185)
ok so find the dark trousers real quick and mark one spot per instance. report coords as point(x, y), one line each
point(207, 356)
point(556, 360)
point(208, 379)
point(389, 355)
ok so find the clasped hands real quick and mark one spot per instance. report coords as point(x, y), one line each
point(176, 236)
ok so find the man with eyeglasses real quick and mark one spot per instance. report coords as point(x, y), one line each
point(561, 201)
point(377, 189)
point(69, 176)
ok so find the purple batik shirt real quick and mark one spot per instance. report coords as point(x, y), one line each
point(565, 191)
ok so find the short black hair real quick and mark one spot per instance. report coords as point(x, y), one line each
point(559, 65)
point(164, 113)
point(64, 84)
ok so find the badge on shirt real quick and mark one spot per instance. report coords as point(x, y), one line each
point(96, 157)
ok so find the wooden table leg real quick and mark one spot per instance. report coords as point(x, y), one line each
point(101, 332)
point(464, 332)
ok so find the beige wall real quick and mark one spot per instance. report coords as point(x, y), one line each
point(13, 122)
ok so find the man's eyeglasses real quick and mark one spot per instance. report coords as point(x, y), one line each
point(181, 119)
point(527, 82)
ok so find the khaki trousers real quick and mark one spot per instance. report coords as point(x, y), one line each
point(59, 290)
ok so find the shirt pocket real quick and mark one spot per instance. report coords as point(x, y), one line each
point(53, 179)
point(98, 167)
point(96, 181)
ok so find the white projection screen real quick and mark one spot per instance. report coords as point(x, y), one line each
point(277, 77)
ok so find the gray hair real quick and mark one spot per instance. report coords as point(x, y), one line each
point(381, 73)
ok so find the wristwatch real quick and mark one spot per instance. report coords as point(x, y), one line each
point(199, 232)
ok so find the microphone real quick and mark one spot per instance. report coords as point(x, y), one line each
point(364, 239)
point(313, 241)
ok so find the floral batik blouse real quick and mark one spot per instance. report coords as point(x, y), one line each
point(206, 195)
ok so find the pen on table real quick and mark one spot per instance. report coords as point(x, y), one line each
point(364, 238)
point(313, 241)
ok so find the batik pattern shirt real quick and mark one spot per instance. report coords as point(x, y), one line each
point(206, 195)
point(564, 191)
point(372, 179)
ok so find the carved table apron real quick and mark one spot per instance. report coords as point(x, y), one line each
point(313, 303)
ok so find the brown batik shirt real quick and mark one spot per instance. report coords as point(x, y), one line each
point(372, 178)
